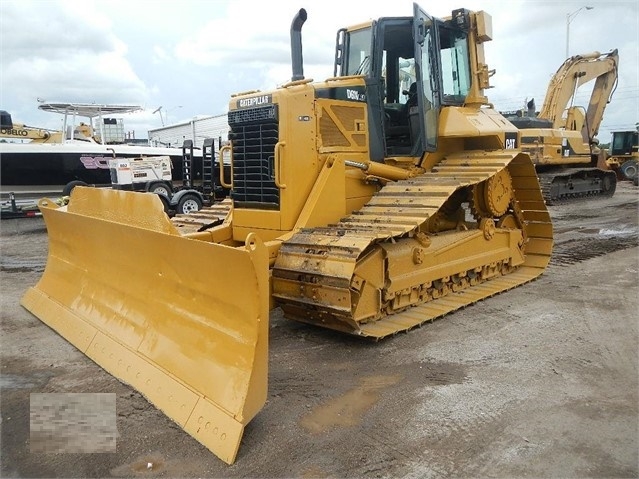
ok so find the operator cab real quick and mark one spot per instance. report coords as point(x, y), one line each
point(412, 66)
point(5, 119)
point(624, 143)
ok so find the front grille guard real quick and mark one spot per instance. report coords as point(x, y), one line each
point(255, 134)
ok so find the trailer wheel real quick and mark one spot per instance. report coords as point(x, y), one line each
point(159, 187)
point(189, 204)
point(68, 188)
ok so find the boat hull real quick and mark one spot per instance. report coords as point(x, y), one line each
point(31, 169)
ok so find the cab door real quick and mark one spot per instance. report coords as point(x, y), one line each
point(427, 66)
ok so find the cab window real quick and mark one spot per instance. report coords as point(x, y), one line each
point(455, 69)
point(359, 52)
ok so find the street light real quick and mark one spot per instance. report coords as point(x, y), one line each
point(569, 18)
point(159, 110)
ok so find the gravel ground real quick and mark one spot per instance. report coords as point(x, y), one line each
point(540, 381)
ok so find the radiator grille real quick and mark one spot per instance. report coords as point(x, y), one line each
point(339, 129)
point(330, 132)
point(254, 133)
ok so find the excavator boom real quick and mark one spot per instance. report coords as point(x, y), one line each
point(18, 131)
point(573, 73)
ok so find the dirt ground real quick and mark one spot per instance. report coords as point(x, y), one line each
point(541, 381)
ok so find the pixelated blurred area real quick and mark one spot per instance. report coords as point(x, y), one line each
point(72, 422)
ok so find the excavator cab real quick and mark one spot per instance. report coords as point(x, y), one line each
point(5, 120)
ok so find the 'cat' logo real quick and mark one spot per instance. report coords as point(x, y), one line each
point(510, 142)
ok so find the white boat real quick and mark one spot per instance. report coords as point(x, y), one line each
point(36, 169)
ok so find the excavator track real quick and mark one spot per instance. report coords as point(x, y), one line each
point(321, 274)
point(577, 183)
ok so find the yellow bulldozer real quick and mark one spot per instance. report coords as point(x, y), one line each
point(386, 196)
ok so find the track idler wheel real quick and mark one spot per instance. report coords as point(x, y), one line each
point(487, 225)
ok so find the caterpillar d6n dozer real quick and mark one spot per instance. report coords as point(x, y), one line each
point(384, 197)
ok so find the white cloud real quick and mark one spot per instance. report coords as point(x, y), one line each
point(160, 55)
point(52, 30)
point(61, 52)
point(197, 53)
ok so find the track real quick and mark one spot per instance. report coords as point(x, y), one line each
point(577, 183)
point(204, 219)
point(315, 273)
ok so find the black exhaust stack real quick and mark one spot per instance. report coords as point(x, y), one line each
point(296, 45)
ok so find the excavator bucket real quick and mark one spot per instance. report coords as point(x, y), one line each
point(183, 321)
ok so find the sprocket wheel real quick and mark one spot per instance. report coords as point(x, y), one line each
point(491, 198)
point(499, 193)
point(477, 203)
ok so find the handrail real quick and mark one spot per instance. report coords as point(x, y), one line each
point(276, 165)
point(221, 161)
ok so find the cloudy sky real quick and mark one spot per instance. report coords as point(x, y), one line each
point(190, 56)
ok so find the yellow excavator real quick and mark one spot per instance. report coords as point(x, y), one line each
point(562, 137)
point(19, 131)
point(384, 197)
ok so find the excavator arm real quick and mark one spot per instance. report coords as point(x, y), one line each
point(19, 131)
point(576, 71)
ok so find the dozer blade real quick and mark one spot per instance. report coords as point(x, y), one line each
point(185, 322)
